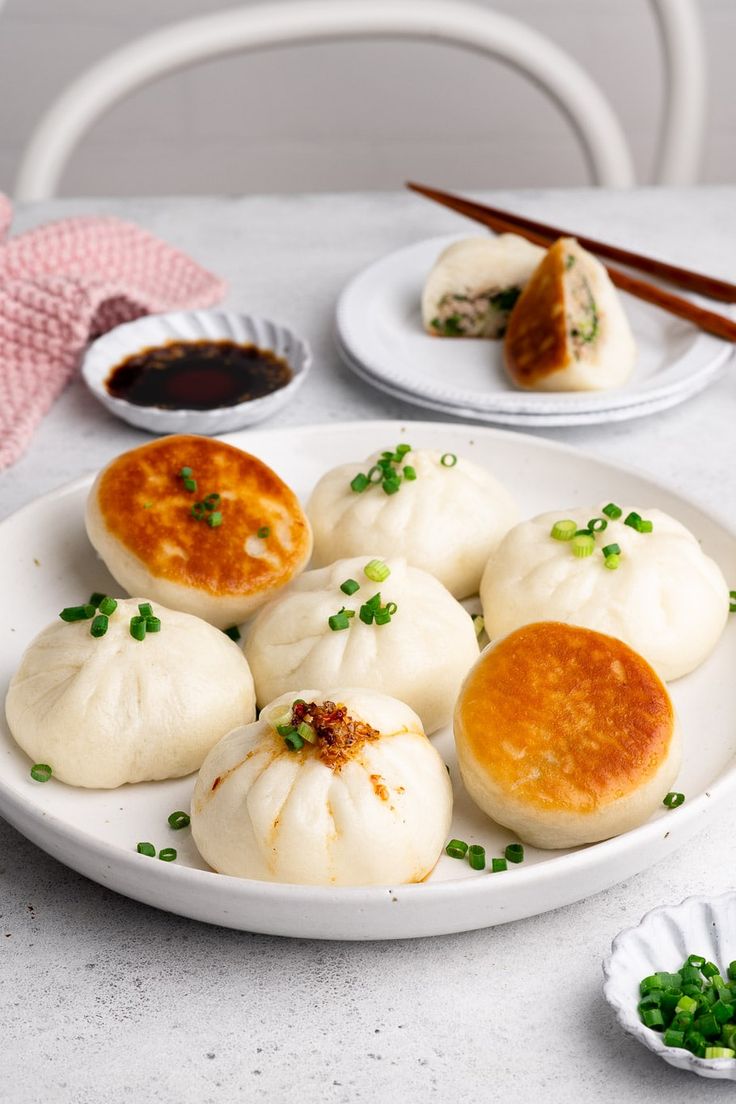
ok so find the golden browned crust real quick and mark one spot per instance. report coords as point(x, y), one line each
point(144, 503)
point(565, 718)
point(536, 342)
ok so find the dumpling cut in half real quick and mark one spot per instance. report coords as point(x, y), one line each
point(640, 576)
point(382, 625)
point(198, 525)
point(565, 736)
point(475, 283)
point(102, 711)
point(337, 787)
point(568, 332)
point(438, 510)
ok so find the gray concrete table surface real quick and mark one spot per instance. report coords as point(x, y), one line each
point(106, 999)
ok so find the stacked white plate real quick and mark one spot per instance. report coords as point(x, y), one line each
point(380, 337)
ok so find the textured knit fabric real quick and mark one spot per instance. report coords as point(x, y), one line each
point(65, 283)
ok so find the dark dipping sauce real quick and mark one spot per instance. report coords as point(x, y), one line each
point(197, 375)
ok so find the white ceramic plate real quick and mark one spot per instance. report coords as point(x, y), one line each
point(380, 335)
point(48, 563)
point(662, 940)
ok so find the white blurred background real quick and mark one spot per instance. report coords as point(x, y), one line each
point(347, 116)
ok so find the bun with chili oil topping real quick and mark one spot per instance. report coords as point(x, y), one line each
point(565, 736)
point(361, 797)
point(198, 525)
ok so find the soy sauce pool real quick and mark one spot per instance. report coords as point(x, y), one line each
point(197, 375)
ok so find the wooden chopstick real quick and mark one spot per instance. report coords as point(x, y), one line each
point(505, 222)
point(683, 277)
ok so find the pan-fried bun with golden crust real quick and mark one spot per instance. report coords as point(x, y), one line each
point(199, 526)
point(565, 736)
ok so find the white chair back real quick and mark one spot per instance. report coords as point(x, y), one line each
point(455, 22)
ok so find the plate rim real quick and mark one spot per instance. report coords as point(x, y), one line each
point(243, 890)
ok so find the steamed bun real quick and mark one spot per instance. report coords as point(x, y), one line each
point(666, 599)
point(565, 736)
point(447, 520)
point(368, 802)
point(420, 656)
point(108, 710)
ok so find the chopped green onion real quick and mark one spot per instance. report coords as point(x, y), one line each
point(515, 852)
point(349, 586)
point(448, 460)
point(645, 526)
point(563, 530)
point(179, 820)
point(374, 603)
point(190, 485)
point(153, 624)
point(382, 616)
point(391, 608)
point(294, 740)
point(366, 614)
point(477, 856)
point(707, 1025)
point(138, 628)
point(263, 532)
point(401, 451)
point(673, 1038)
point(478, 624)
point(41, 772)
point(732, 601)
point(652, 1017)
point(612, 562)
point(732, 971)
point(409, 473)
point(287, 728)
point(95, 599)
point(145, 609)
point(391, 486)
point(611, 550)
point(99, 625)
point(186, 473)
point(233, 632)
point(709, 969)
point(612, 511)
point(214, 519)
point(457, 849)
point(211, 500)
point(686, 1004)
point(719, 1052)
point(375, 474)
point(696, 960)
point(632, 519)
point(498, 866)
point(647, 984)
point(582, 546)
point(377, 571)
point(360, 483)
point(673, 800)
point(339, 620)
point(146, 849)
point(307, 732)
point(198, 511)
point(597, 525)
point(167, 854)
point(107, 606)
point(78, 613)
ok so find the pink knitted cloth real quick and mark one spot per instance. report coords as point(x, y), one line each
point(65, 283)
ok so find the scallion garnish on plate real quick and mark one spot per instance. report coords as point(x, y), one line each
point(448, 460)
point(263, 532)
point(349, 586)
point(477, 857)
point(146, 849)
point(41, 772)
point(732, 601)
point(167, 854)
point(377, 571)
point(563, 530)
point(178, 820)
point(78, 613)
point(673, 800)
point(457, 849)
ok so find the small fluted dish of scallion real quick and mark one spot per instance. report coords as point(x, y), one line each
point(671, 981)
